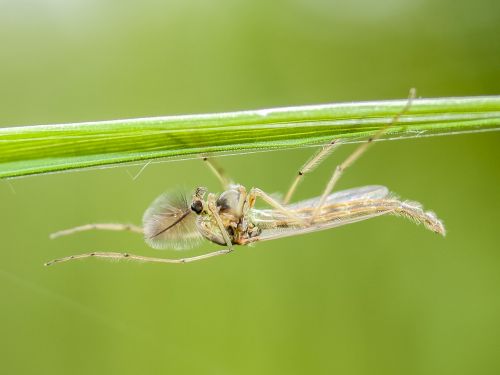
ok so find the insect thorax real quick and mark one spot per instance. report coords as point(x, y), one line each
point(230, 205)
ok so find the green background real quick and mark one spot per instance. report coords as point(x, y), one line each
point(379, 297)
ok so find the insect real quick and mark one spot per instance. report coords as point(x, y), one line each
point(231, 218)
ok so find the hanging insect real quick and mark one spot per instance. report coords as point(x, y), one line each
point(231, 218)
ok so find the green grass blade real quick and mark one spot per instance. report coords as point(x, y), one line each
point(39, 149)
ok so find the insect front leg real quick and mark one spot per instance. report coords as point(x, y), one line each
point(137, 258)
point(98, 226)
point(356, 154)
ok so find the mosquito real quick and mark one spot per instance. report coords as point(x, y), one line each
point(231, 218)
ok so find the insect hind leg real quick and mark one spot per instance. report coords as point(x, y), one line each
point(309, 166)
point(357, 153)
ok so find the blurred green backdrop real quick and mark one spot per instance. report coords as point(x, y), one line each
point(378, 297)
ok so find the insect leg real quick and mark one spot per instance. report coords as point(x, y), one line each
point(138, 258)
point(310, 165)
point(218, 171)
point(258, 193)
point(213, 209)
point(100, 226)
point(356, 154)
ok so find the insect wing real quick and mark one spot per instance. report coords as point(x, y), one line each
point(170, 223)
point(341, 208)
point(359, 193)
point(280, 232)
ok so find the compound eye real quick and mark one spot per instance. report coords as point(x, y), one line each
point(197, 207)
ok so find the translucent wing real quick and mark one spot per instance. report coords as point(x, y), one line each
point(270, 233)
point(341, 208)
point(170, 223)
point(359, 193)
